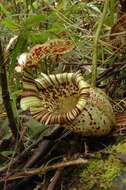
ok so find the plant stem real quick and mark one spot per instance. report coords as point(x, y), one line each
point(95, 48)
point(6, 95)
point(43, 169)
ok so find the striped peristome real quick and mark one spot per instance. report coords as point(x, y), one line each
point(47, 81)
point(64, 98)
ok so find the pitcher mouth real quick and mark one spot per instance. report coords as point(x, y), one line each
point(62, 97)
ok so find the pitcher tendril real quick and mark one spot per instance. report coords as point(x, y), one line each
point(64, 98)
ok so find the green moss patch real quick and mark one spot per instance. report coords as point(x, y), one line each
point(100, 172)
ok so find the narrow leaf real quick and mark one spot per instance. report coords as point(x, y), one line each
point(12, 25)
point(33, 20)
point(19, 47)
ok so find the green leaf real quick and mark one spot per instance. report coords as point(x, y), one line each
point(12, 25)
point(4, 10)
point(35, 4)
point(46, 1)
point(19, 47)
point(5, 132)
point(63, 5)
point(56, 27)
point(41, 37)
point(35, 128)
point(33, 20)
point(93, 7)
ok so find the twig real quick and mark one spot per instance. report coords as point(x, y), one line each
point(55, 179)
point(44, 147)
point(110, 71)
point(42, 169)
point(6, 95)
point(45, 144)
point(95, 48)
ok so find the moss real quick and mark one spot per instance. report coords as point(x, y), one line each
point(119, 148)
point(100, 173)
